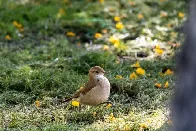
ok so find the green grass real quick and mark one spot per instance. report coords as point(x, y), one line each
point(32, 75)
point(42, 63)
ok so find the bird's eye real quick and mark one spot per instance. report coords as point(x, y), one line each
point(97, 72)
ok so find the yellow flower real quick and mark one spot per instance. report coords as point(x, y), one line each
point(94, 113)
point(140, 16)
point(75, 103)
point(117, 18)
point(114, 40)
point(111, 117)
point(8, 37)
point(72, 34)
point(17, 25)
point(81, 87)
point(118, 77)
point(108, 106)
point(119, 25)
point(117, 44)
point(181, 15)
point(60, 13)
point(140, 71)
point(143, 125)
point(37, 103)
point(157, 47)
point(101, 1)
point(158, 85)
point(137, 65)
point(98, 35)
point(106, 47)
point(133, 76)
point(159, 51)
point(168, 72)
point(166, 84)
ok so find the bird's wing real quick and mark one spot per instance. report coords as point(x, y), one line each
point(87, 88)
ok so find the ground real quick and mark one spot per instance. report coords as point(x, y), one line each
point(47, 48)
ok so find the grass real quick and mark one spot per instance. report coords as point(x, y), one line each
point(40, 63)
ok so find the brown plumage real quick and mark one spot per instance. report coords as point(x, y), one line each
point(96, 90)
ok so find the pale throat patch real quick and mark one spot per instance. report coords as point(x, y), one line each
point(99, 77)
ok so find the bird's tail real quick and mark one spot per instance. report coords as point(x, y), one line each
point(67, 100)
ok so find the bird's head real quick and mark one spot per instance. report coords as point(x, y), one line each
point(96, 72)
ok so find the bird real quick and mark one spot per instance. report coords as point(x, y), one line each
point(96, 90)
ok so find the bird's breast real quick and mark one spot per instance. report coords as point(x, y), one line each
point(98, 94)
